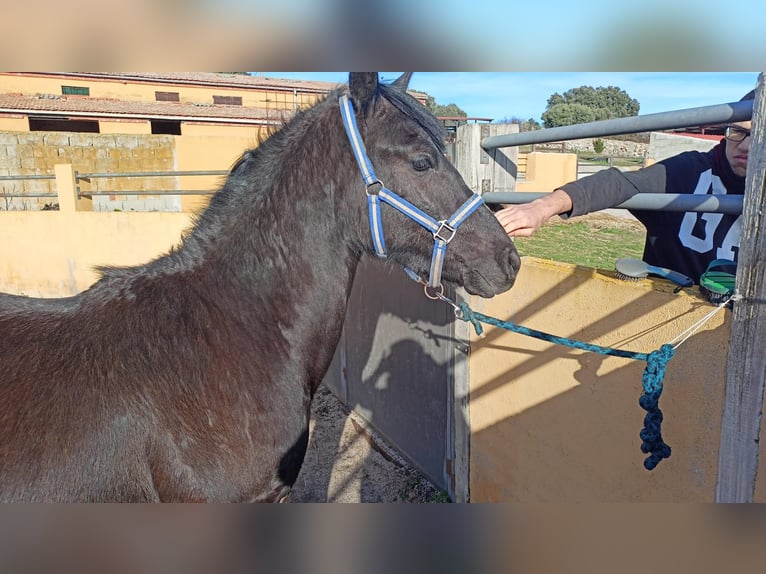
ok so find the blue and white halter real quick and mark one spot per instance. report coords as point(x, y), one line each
point(443, 230)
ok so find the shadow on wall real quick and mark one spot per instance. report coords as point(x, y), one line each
point(393, 367)
point(553, 424)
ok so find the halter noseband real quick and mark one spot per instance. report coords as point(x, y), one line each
point(442, 230)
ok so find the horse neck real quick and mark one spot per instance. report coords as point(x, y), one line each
point(277, 236)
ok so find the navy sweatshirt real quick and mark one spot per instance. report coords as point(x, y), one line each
point(684, 242)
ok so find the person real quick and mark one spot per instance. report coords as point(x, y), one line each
point(682, 241)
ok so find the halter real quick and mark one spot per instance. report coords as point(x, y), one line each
point(442, 230)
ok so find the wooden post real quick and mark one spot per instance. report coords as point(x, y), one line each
point(485, 171)
point(746, 363)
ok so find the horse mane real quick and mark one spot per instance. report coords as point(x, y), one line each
point(251, 185)
point(416, 111)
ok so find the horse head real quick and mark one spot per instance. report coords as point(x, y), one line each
point(422, 215)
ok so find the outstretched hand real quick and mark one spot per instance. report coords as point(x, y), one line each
point(521, 220)
point(524, 219)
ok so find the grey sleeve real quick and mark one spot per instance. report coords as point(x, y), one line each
point(611, 187)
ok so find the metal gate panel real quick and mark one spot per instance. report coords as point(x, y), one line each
point(394, 368)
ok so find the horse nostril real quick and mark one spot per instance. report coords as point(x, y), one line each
point(509, 261)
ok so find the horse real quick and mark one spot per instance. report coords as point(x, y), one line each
point(190, 378)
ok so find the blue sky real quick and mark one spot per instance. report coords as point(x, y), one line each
point(524, 95)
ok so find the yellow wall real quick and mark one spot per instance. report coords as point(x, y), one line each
point(125, 127)
point(553, 424)
point(55, 253)
point(204, 148)
point(14, 124)
point(546, 171)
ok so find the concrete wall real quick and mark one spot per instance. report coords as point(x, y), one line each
point(663, 146)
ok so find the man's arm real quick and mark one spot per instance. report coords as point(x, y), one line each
point(601, 190)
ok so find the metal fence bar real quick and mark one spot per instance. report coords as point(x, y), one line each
point(149, 192)
point(706, 115)
point(88, 176)
point(25, 177)
point(729, 204)
point(4, 195)
point(149, 174)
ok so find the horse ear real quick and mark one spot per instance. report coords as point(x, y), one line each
point(364, 88)
point(402, 81)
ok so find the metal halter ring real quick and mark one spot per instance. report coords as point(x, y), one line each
point(377, 184)
point(437, 294)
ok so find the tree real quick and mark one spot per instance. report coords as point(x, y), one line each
point(450, 110)
point(524, 125)
point(587, 104)
point(567, 114)
point(529, 125)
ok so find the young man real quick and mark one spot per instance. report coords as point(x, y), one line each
point(685, 242)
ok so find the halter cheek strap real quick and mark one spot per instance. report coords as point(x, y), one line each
point(442, 230)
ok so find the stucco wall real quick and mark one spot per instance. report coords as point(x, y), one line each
point(553, 424)
point(54, 254)
point(210, 147)
point(546, 171)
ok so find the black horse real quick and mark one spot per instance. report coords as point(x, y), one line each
point(190, 378)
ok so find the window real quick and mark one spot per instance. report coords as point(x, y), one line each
point(75, 91)
point(62, 125)
point(166, 127)
point(228, 100)
point(166, 96)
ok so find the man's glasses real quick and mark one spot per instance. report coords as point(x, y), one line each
point(736, 133)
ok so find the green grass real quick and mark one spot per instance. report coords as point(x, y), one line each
point(597, 159)
point(590, 243)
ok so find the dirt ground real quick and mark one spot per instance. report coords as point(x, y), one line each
point(345, 463)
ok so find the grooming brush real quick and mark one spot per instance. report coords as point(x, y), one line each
point(718, 281)
point(631, 269)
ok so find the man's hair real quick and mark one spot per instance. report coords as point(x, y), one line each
point(748, 96)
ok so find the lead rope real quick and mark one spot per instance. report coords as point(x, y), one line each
point(651, 380)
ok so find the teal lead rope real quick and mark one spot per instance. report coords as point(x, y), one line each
point(656, 362)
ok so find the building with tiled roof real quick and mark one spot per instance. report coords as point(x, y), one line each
point(126, 123)
point(76, 101)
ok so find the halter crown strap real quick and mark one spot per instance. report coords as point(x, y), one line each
point(352, 131)
point(442, 230)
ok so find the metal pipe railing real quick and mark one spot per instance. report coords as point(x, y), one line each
point(25, 177)
point(729, 204)
point(88, 194)
point(87, 176)
point(706, 115)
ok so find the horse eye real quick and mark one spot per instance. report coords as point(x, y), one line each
point(422, 163)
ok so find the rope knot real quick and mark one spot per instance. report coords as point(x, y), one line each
point(467, 314)
point(651, 434)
